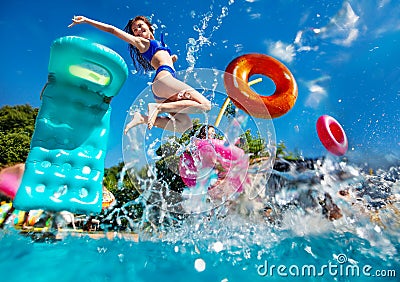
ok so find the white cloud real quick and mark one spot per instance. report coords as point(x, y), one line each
point(317, 91)
point(342, 28)
point(255, 16)
point(352, 36)
point(303, 45)
point(282, 51)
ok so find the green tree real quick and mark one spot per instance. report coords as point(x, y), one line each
point(17, 124)
point(230, 110)
point(125, 192)
point(283, 153)
point(254, 146)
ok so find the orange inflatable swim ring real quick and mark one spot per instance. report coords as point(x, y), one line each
point(236, 79)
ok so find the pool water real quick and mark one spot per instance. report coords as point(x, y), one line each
point(104, 260)
point(236, 245)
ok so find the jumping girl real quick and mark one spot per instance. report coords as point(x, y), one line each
point(171, 95)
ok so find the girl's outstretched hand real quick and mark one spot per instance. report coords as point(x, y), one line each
point(77, 20)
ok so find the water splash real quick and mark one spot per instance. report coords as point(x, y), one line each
point(205, 30)
point(195, 199)
point(302, 198)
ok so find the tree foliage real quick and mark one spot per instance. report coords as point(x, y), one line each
point(125, 193)
point(17, 124)
point(283, 153)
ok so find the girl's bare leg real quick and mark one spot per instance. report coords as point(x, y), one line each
point(182, 107)
point(136, 120)
point(174, 90)
point(181, 99)
point(154, 111)
point(179, 123)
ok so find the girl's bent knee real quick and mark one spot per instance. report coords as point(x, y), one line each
point(207, 106)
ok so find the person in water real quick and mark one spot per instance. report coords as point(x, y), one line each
point(171, 95)
point(210, 134)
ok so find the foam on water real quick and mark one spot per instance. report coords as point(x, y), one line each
point(235, 241)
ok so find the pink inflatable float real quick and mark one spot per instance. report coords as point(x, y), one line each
point(10, 179)
point(230, 161)
point(332, 135)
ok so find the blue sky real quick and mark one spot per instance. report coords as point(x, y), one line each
point(343, 54)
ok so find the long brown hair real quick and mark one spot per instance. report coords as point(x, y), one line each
point(203, 134)
point(140, 63)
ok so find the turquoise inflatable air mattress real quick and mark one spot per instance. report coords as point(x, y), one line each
point(65, 166)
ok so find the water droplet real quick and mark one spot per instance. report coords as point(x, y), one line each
point(218, 246)
point(121, 257)
point(200, 265)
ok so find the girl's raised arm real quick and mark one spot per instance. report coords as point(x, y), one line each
point(136, 41)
